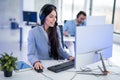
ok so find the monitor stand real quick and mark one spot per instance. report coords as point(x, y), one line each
point(104, 71)
point(27, 23)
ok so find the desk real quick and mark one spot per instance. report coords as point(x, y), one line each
point(68, 38)
point(69, 43)
point(65, 75)
point(23, 34)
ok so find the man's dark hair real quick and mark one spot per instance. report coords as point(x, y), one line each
point(81, 12)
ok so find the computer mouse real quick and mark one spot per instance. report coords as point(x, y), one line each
point(39, 70)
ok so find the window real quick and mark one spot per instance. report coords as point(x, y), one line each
point(66, 10)
point(117, 17)
point(71, 8)
point(103, 8)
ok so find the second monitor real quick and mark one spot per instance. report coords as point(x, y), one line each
point(29, 16)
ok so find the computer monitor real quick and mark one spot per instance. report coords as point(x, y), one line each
point(92, 39)
point(29, 16)
point(95, 20)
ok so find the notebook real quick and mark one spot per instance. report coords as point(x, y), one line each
point(22, 66)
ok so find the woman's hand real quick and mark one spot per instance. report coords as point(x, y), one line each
point(38, 65)
point(71, 58)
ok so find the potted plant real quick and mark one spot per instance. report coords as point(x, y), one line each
point(7, 64)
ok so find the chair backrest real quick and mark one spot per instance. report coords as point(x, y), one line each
point(61, 31)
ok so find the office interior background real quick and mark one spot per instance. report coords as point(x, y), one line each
point(12, 11)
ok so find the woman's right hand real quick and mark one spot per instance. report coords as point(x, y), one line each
point(38, 65)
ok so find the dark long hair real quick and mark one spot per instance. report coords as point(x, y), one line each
point(52, 31)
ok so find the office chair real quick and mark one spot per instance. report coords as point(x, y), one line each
point(61, 31)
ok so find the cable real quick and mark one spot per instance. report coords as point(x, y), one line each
point(47, 76)
point(109, 62)
point(115, 73)
point(73, 76)
point(89, 71)
point(86, 69)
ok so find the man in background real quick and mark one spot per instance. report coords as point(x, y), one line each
point(70, 25)
point(69, 29)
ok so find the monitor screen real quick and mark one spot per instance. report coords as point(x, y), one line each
point(29, 16)
point(95, 20)
point(90, 39)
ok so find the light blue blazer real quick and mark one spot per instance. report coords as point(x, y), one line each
point(38, 48)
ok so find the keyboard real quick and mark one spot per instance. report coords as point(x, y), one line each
point(61, 67)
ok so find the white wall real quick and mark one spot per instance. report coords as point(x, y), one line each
point(13, 9)
point(28, 5)
point(9, 9)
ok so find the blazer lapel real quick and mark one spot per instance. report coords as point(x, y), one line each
point(43, 34)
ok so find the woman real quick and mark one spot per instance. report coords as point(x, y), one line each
point(44, 41)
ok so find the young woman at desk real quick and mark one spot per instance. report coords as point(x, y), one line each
point(44, 40)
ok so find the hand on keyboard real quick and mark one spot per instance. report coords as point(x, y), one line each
point(71, 58)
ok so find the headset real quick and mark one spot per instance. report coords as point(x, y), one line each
point(42, 14)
